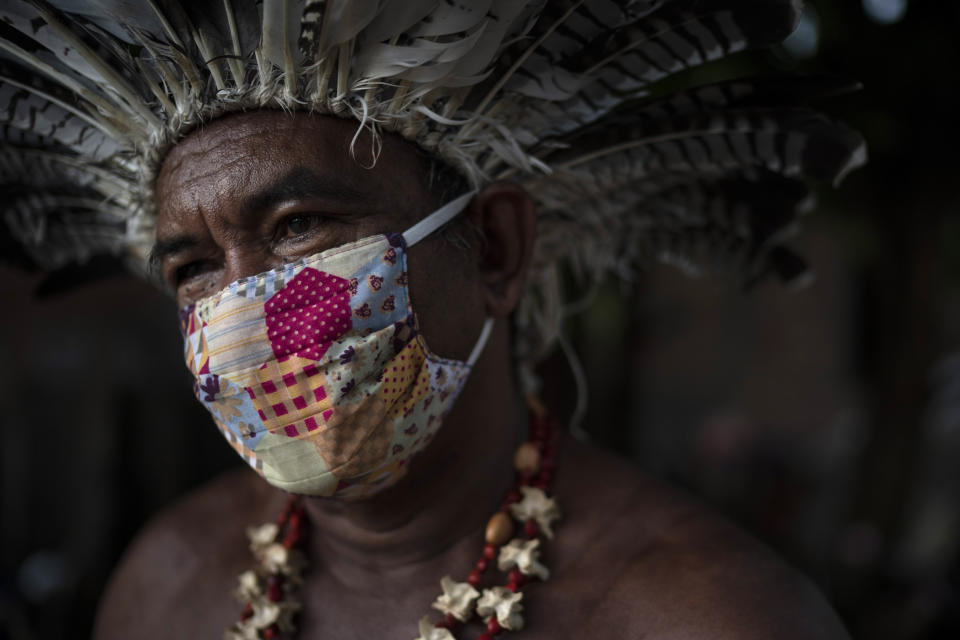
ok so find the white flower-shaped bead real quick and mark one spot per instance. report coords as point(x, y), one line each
point(242, 631)
point(265, 613)
point(430, 632)
point(504, 604)
point(524, 555)
point(457, 599)
point(262, 537)
point(276, 559)
point(537, 506)
point(249, 587)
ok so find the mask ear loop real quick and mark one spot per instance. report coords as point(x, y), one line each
point(481, 342)
point(580, 379)
point(437, 219)
point(428, 225)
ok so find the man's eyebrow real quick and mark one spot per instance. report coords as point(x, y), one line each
point(302, 183)
point(164, 248)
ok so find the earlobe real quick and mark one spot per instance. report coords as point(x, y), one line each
point(505, 216)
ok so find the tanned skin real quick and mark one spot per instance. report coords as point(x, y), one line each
point(631, 559)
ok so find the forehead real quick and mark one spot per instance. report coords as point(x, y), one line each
point(238, 155)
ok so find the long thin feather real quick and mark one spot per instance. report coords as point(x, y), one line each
point(281, 30)
point(108, 75)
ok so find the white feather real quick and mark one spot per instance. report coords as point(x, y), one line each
point(345, 19)
point(451, 16)
point(396, 17)
point(281, 28)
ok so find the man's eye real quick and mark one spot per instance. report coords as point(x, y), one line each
point(188, 271)
point(298, 225)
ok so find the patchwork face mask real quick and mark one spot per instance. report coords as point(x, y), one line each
point(316, 373)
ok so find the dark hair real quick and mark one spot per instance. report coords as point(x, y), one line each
point(444, 183)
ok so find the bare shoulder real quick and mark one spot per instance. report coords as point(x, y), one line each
point(636, 556)
point(172, 578)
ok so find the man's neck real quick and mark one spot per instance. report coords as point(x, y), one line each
point(438, 512)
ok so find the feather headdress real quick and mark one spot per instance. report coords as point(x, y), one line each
point(555, 94)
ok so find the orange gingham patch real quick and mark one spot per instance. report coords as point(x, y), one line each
point(290, 396)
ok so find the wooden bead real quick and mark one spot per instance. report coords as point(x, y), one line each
point(527, 458)
point(499, 529)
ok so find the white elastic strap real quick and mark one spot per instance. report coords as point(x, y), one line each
point(437, 219)
point(481, 342)
point(580, 378)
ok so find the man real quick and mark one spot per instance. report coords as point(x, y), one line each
point(235, 188)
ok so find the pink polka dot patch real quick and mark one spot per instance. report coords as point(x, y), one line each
point(308, 314)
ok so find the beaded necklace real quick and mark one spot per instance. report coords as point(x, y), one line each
point(269, 592)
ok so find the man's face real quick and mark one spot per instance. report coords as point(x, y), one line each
point(250, 192)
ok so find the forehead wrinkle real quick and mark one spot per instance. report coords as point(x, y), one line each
point(206, 188)
point(219, 166)
point(215, 164)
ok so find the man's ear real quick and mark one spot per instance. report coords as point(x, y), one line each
point(504, 215)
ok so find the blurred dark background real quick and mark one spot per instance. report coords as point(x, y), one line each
point(824, 420)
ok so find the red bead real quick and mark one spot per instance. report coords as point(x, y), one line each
point(489, 552)
point(532, 529)
point(292, 539)
point(451, 622)
point(517, 578)
point(247, 612)
point(482, 564)
point(513, 586)
point(493, 627)
point(287, 510)
point(474, 578)
point(271, 632)
point(485, 636)
point(275, 588)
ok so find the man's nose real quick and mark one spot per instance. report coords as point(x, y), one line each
point(245, 261)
